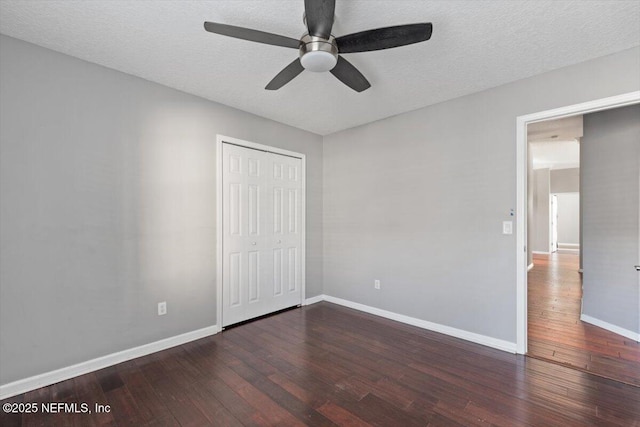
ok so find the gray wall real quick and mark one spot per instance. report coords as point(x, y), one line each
point(568, 218)
point(566, 184)
point(565, 180)
point(540, 183)
point(417, 200)
point(541, 205)
point(610, 159)
point(108, 193)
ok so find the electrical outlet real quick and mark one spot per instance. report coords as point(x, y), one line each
point(376, 284)
point(162, 308)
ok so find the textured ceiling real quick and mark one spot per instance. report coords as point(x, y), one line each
point(475, 45)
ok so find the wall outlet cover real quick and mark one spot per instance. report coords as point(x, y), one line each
point(162, 308)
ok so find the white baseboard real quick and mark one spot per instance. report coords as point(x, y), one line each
point(612, 328)
point(447, 330)
point(48, 378)
point(540, 253)
point(568, 250)
point(575, 246)
point(530, 267)
point(313, 300)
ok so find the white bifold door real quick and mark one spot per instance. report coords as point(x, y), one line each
point(261, 221)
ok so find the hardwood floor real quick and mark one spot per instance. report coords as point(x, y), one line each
point(324, 365)
point(556, 332)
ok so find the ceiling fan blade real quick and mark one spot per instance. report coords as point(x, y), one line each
point(251, 35)
point(349, 75)
point(286, 75)
point(319, 15)
point(384, 38)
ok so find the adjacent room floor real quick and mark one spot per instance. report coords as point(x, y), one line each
point(556, 332)
point(328, 365)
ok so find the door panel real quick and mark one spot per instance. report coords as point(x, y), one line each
point(293, 269)
point(293, 206)
point(287, 232)
point(254, 276)
point(254, 210)
point(261, 233)
point(277, 210)
point(235, 278)
point(277, 272)
point(234, 209)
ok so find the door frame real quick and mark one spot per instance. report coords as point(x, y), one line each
point(220, 139)
point(553, 222)
point(608, 103)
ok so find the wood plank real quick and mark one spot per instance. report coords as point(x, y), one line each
point(556, 333)
point(329, 365)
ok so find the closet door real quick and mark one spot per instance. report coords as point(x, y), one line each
point(261, 233)
point(285, 234)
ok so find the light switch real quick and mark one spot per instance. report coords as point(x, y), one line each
point(507, 227)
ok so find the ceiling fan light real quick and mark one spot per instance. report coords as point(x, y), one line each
point(319, 61)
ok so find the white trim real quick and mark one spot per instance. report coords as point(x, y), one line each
point(256, 146)
point(521, 192)
point(314, 300)
point(540, 253)
point(303, 213)
point(612, 328)
point(530, 267)
point(569, 245)
point(219, 230)
point(552, 224)
point(436, 327)
point(52, 377)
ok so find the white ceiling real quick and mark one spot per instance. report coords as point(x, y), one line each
point(475, 45)
point(566, 129)
point(554, 143)
point(556, 155)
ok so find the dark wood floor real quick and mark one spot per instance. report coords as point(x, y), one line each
point(328, 365)
point(556, 332)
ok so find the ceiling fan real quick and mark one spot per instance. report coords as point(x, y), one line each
point(320, 51)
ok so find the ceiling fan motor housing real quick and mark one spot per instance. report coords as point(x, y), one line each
point(318, 54)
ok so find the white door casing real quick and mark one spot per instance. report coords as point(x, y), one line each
point(554, 222)
point(521, 192)
point(262, 231)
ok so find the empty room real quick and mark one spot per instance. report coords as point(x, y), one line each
point(320, 212)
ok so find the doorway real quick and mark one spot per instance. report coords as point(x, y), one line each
point(260, 230)
point(559, 268)
point(521, 178)
point(567, 222)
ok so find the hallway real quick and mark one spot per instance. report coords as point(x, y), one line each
point(556, 332)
